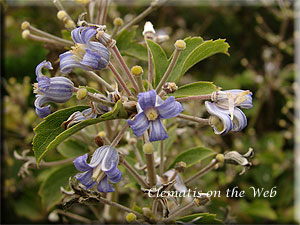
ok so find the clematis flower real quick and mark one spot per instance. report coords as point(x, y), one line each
point(101, 170)
point(86, 54)
point(151, 110)
point(225, 108)
point(54, 89)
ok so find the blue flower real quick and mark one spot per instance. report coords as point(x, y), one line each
point(225, 108)
point(101, 169)
point(151, 109)
point(86, 54)
point(55, 89)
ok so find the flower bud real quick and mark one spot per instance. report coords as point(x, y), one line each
point(148, 30)
point(180, 45)
point(148, 148)
point(137, 70)
point(102, 134)
point(53, 217)
point(25, 25)
point(170, 87)
point(220, 158)
point(61, 15)
point(180, 166)
point(130, 217)
point(25, 34)
point(118, 22)
point(98, 140)
point(81, 93)
point(69, 24)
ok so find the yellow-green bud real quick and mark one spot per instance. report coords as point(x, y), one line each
point(180, 45)
point(81, 93)
point(220, 158)
point(130, 217)
point(25, 34)
point(148, 148)
point(61, 14)
point(69, 24)
point(25, 25)
point(102, 134)
point(118, 22)
point(137, 70)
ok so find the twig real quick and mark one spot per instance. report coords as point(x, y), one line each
point(99, 80)
point(161, 166)
point(74, 216)
point(194, 119)
point(197, 97)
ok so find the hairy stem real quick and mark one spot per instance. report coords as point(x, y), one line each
point(190, 98)
point(194, 119)
point(120, 135)
point(97, 78)
point(179, 211)
point(161, 166)
point(73, 216)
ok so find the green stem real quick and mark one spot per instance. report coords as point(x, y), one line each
point(97, 78)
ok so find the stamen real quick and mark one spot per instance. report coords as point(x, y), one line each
point(78, 50)
point(151, 114)
point(35, 88)
point(230, 104)
point(98, 174)
point(241, 97)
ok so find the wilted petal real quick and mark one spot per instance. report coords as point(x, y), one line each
point(222, 114)
point(139, 124)
point(81, 164)
point(239, 120)
point(104, 186)
point(169, 108)
point(147, 99)
point(86, 179)
point(158, 132)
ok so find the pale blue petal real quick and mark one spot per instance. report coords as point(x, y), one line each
point(114, 175)
point(68, 62)
point(104, 186)
point(222, 114)
point(86, 179)
point(38, 69)
point(76, 35)
point(158, 132)
point(110, 160)
point(139, 124)
point(239, 120)
point(147, 99)
point(98, 156)
point(169, 108)
point(81, 164)
point(42, 112)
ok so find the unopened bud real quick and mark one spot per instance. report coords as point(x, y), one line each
point(137, 70)
point(25, 34)
point(81, 93)
point(130, 217)
point(132, 141)
point(148, 148)
point(180, 166)
point(98, 140)
point(118, 22)
point(148, 29)
point(61, 14)
point(202, 200)
point(220, 158)
point(53, 217)
point(102, 134)
point(170, 87)
point(69, 24)
point(25, 25)
point(180, 45)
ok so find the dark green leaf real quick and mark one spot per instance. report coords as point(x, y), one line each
point(50, 188)
point(192, 156)
point(160, 60)
point(197, 88)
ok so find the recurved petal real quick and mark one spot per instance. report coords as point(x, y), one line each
point(139, 124)
point(110, 160)
point(239, 120)
point(68, 62)
point(147, 99)
point(76, 35)
point(87, 33)
point(42, 112)
point(169, 108)
point(43, 83)
point(222, 114)
point(38, 69)
point(98, 156)
point(81, 164)
point(86, 179)
point(158, 132)
point(104, 186)
point(114, 175)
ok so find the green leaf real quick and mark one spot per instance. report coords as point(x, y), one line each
point(47, 130)
point(160, 60)
point(197, 88)
point(72, 148)
point(191, 44)
point(204, 50)
point(50, 188)
point(192, 156)
point(49, 133)
point(258, 208)
point(200, 218)
point(130, 47)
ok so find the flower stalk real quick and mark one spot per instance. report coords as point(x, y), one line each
point(27, 35)
point(191, 98)
point(161, 165)
point(97, 78)
point(119, 136)
point(148, 150)
point(194, 119)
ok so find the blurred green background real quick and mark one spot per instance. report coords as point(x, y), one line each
point(261, 60)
